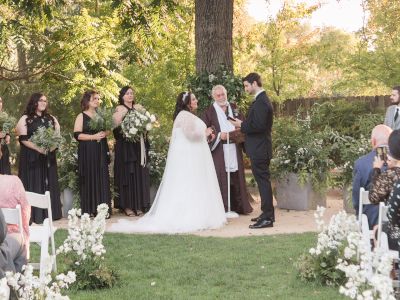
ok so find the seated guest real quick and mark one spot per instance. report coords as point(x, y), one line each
point(12, 194)
point(393, 227)
point(12, 251)
point(362, 173)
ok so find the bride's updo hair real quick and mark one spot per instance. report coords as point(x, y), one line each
point(182, 103)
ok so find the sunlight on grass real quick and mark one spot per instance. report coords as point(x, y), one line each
point(190, 267)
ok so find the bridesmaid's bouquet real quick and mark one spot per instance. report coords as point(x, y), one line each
point(102, 120)
point(7, 122)
point(137, 122)
point(46, 138)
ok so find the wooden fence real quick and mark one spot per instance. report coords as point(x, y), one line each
point(291, 106)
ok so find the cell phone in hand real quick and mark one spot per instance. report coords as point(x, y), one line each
point(230, 118)
point(381, 152)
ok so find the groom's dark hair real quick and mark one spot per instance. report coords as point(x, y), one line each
point(182, 102)
point(253, 77)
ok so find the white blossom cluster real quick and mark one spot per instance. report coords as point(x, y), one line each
point(137, 122)
point(335, 234)
point(28, 286)
point(85, 236)
point(367, 272)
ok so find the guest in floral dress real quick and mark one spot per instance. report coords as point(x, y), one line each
point(393, 227)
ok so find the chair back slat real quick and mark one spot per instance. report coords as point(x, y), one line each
point(383, 209)
point(13, 216)
point(37, 200)
point(363, 200)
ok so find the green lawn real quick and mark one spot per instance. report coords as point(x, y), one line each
point(190, 267)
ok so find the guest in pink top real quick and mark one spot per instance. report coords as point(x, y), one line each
point(12, 193)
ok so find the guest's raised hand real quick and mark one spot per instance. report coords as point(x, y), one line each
point(7, 139)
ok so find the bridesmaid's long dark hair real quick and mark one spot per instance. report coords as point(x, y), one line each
point(182, 103)
point(86, 99)
point(32, 105)
point(122, 93)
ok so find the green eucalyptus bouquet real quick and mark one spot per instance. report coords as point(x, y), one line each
point(7, 122)
point(102, 120)
point(46, 138)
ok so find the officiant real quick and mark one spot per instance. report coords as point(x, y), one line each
point(216, 116)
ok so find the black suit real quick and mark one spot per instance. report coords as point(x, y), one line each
point(257, 128)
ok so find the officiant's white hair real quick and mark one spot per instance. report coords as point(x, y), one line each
point(218, 87)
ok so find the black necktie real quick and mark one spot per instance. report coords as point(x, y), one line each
point(396, 115)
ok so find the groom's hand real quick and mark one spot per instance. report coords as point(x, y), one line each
point(237, 123)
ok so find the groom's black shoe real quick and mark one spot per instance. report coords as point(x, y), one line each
point(259, 218)
point(263, 223)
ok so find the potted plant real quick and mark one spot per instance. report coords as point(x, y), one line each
point(301, 164)
point(68, 174)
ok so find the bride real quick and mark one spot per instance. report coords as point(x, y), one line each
point(189, 197)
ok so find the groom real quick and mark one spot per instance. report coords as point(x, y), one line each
point(258, 145)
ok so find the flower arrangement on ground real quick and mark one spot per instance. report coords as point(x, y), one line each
point(367, 272)
point(319, 264)
point(137, 123)
point(46, 138)
point(84, 250)
point(25, 285)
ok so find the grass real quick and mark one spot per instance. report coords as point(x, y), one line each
point(190, 267)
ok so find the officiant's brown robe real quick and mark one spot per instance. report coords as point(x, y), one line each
point(240, 198)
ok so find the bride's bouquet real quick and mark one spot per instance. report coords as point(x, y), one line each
point(102, 120)
point(7, 122)
point(137, 122)
point(46, 138)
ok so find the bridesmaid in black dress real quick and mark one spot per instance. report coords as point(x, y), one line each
point(93, 158)
point(132, 180)
point(38, 169)
point(5, 167)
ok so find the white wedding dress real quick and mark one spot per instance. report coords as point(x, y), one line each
point(189, 198)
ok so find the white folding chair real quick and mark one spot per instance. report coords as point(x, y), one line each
point(363, 200)
point(382, 236)
point(41, 234)
point(13, 216)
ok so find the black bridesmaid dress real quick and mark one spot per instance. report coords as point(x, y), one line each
point(94, 177)
point(38, 172)
point(132, 181)
point(5, 167)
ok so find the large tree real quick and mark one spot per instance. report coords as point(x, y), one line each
point(213, 35)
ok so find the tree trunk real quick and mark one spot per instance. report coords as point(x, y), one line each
point(22, 62)
point(213, 34)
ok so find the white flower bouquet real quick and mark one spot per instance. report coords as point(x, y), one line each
point(137, 122)
point(46, 138)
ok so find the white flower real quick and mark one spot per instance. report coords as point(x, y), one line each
point(153, 118)
point(149, 126)
point(133, 130)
